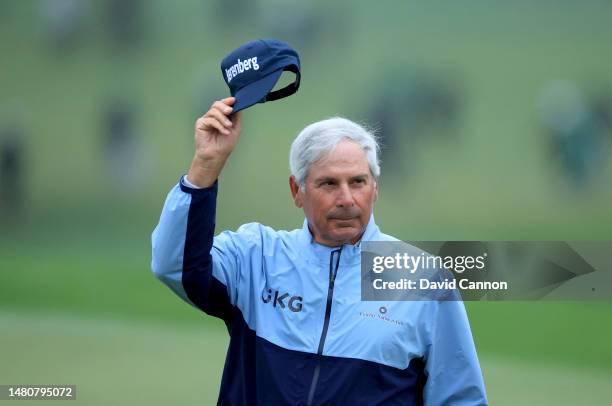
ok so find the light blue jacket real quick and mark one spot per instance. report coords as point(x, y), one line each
point(299, 332)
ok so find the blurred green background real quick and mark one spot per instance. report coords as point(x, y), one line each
point(496, 122)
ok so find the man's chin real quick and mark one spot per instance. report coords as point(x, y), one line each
point(346, 235)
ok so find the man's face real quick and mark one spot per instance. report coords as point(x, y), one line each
point(338, 195)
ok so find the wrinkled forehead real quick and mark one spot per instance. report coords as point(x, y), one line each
point(347, 159)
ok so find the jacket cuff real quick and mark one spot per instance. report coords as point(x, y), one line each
point(191, 189)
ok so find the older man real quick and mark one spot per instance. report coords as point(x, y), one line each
point(299, 333)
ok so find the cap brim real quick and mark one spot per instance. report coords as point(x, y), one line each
point(253, 93)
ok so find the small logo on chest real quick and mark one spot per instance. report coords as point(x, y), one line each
point(381, 315)
point(282, 300)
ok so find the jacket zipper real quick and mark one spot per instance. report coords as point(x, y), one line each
point(333, 270)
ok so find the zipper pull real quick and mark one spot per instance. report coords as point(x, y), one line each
point(334, 267)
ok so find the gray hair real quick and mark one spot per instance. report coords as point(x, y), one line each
point(319, 139)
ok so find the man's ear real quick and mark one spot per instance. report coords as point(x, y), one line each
point(375, 190)
point(295, 192)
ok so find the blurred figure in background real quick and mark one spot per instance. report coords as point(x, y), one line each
point(125, 22)
point(578, 131)
point(12, 150)
point(408, 107)
point(120, 144)
point(602, 108)
point(234, 12)
point(306, 25)
point(63, 22)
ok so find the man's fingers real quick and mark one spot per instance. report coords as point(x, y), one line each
point(222, 107)
point(199, 125)
point(211, 122)
point(219, 116)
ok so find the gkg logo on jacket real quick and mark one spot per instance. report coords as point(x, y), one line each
point(278, 300)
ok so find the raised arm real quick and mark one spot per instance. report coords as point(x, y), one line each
point(216, 135)
point(183, 239)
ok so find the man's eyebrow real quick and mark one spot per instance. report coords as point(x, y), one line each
point(359, 177)
point(324, 179)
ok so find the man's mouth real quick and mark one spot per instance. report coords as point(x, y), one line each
point(344, 222)
point(344, 215)
point(344, 218)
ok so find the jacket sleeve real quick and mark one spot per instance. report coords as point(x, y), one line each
point(453, 372)
point(202, 269)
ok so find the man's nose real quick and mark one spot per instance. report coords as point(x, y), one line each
point(345, 197)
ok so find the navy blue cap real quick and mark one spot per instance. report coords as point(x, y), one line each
point(252, 70)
